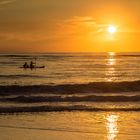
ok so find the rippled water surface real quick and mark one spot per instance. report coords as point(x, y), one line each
point(62, 68)
point(79, 96)
point(71, 126)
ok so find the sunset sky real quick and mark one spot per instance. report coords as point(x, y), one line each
point(69, 25)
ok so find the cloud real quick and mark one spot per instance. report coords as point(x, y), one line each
point(29, 37)
point(80, 28)
point(76, 26)
point(5, 2)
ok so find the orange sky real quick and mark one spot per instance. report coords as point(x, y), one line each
point(69, 25)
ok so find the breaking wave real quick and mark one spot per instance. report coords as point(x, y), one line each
point(70, 97)
point(88, 98)
point(96, 87)
point(60, 108)
point(22, 76)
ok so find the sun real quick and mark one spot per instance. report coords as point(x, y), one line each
point(112, 29)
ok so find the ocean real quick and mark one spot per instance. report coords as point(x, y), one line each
point(76, 96)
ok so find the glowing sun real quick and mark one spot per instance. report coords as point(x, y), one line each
point(112, 29)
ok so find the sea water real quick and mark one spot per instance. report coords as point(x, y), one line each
point(82, 95)
point(69, 68)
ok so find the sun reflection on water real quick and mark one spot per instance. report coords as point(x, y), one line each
point(111, 59)
point(112, 126)
point(111, 62)
point(112, 53)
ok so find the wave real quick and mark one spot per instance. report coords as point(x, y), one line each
point(96, 87)
point(129, 55)
point(15, 55)
point(22, 76)
point(89, 98)
point(60, 109)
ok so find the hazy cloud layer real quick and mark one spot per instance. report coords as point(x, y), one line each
point(5, 2)
point(52, 23)
point(75, 27)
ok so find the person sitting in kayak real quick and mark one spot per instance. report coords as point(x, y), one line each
point(25, 65)
point(32, 64)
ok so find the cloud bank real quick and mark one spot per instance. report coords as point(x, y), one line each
point(5, 2)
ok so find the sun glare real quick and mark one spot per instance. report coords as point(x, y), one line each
point(112, 29)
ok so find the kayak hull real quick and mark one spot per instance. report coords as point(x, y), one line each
point(39, 67)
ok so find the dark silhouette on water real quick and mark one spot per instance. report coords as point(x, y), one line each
point(25, 65)
point(31, 66)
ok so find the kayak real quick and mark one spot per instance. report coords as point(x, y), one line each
point(36, 67)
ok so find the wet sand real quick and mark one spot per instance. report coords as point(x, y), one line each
point(70, 126)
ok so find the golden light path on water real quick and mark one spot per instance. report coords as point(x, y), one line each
point(111, 119)
point(111, 62)
point(112, 126)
